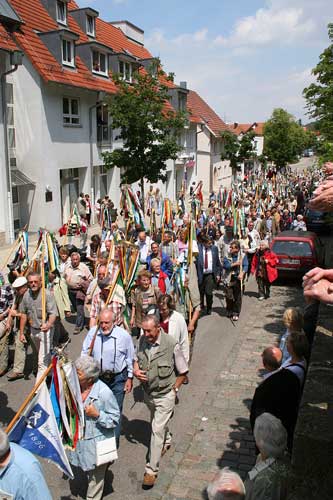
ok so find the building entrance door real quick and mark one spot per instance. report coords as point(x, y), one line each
point(69, 181)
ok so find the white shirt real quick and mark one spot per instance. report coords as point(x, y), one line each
point(209, 268)
point(144, 249)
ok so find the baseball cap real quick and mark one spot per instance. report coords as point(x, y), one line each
point(21, 281)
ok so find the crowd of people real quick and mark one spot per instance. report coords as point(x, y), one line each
point(179, 266)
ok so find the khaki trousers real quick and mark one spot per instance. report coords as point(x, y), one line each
point(20, 353)
point(3, 346)
point(96, 482)
point(161, 410)
point(41, 345)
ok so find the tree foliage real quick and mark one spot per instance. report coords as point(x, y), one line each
point(319, 95)
point(285, 139)
point(147, 127)
point(237, 150)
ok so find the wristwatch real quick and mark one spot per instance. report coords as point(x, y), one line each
point(175, 389)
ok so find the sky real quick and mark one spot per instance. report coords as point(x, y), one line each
point(244, 57)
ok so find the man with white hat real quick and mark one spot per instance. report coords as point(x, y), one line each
point(298, 224)
point(20, 286)
point(6, 302)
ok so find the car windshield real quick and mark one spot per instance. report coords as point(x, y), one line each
point(292, 248)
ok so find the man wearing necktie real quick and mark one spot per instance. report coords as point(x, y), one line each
point(208, 269)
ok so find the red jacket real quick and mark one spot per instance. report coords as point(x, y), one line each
point(161, 281)
point(272, 261)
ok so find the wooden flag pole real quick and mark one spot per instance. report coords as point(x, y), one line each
point(28, 399)
point(10, 253)
point(43, 285)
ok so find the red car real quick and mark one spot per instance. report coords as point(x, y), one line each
point(297, 251)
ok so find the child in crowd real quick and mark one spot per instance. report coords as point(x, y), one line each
point(293, 321)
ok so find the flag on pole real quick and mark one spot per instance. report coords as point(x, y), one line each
point(37, 431)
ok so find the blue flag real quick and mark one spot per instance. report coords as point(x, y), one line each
point(37, 431)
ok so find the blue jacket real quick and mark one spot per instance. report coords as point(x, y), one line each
point(84, 456)
point(200, 263)
point(166, 263)
point(228, 261)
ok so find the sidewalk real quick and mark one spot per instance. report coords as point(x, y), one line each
point(220, 435)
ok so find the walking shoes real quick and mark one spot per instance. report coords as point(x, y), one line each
point(148, 481)
point(15, 376)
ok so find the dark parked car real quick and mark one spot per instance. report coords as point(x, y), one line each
point(298, 252)
point(319, 222)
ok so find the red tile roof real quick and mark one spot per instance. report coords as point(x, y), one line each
point(36, 18)
point(242, 128)
point(6, 41)
point(201, 112)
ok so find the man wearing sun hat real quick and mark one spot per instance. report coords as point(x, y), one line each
point(20, 286)
point(6, 302)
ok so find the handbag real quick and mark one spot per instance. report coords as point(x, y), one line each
point(106, 451)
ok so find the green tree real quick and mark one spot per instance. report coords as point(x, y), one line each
point(237, 150)
point(148, 127)
point(319, 95)
point(284, 138)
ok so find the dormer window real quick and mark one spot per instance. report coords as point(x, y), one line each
point(100, 63)
point(125, 70)
point(90, 25)
point(68, 52)
point(62, 12)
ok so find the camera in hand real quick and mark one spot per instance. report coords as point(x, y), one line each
point(107, 376)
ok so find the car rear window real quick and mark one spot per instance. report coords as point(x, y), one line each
point(292, 248)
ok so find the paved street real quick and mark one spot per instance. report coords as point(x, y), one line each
point(210, 427)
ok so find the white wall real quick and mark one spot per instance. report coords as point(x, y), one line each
point(259, 139)
point(45, 146)
point(222, 173)
point(204, 159)
point(4, 226)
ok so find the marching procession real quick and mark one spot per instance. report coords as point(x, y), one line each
point(136, 292)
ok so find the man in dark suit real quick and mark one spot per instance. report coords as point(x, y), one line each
point(208, 270)
point(279, 394)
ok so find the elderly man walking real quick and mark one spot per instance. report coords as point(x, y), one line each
point(78, 278)
point(6, 302)
point(31, 312)
point(162, 368)
point(113, 348)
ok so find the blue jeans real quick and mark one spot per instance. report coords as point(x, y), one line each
point(117, 386)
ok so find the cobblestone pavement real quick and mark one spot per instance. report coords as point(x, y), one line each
point(223, 436)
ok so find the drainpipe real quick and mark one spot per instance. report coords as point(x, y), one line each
point(10, 229)
point(100, 97)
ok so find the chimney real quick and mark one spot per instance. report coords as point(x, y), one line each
point(183, 85)
point(235, 125)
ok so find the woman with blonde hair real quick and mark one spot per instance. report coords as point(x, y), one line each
point(293, 321)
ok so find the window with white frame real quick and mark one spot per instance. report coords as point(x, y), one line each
point(90, 25)
point(61, 12)
point(71, 111)
point(190, 139)
point(103, 124)
point(100, 62)
point(125, 70)
point(68, 52)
